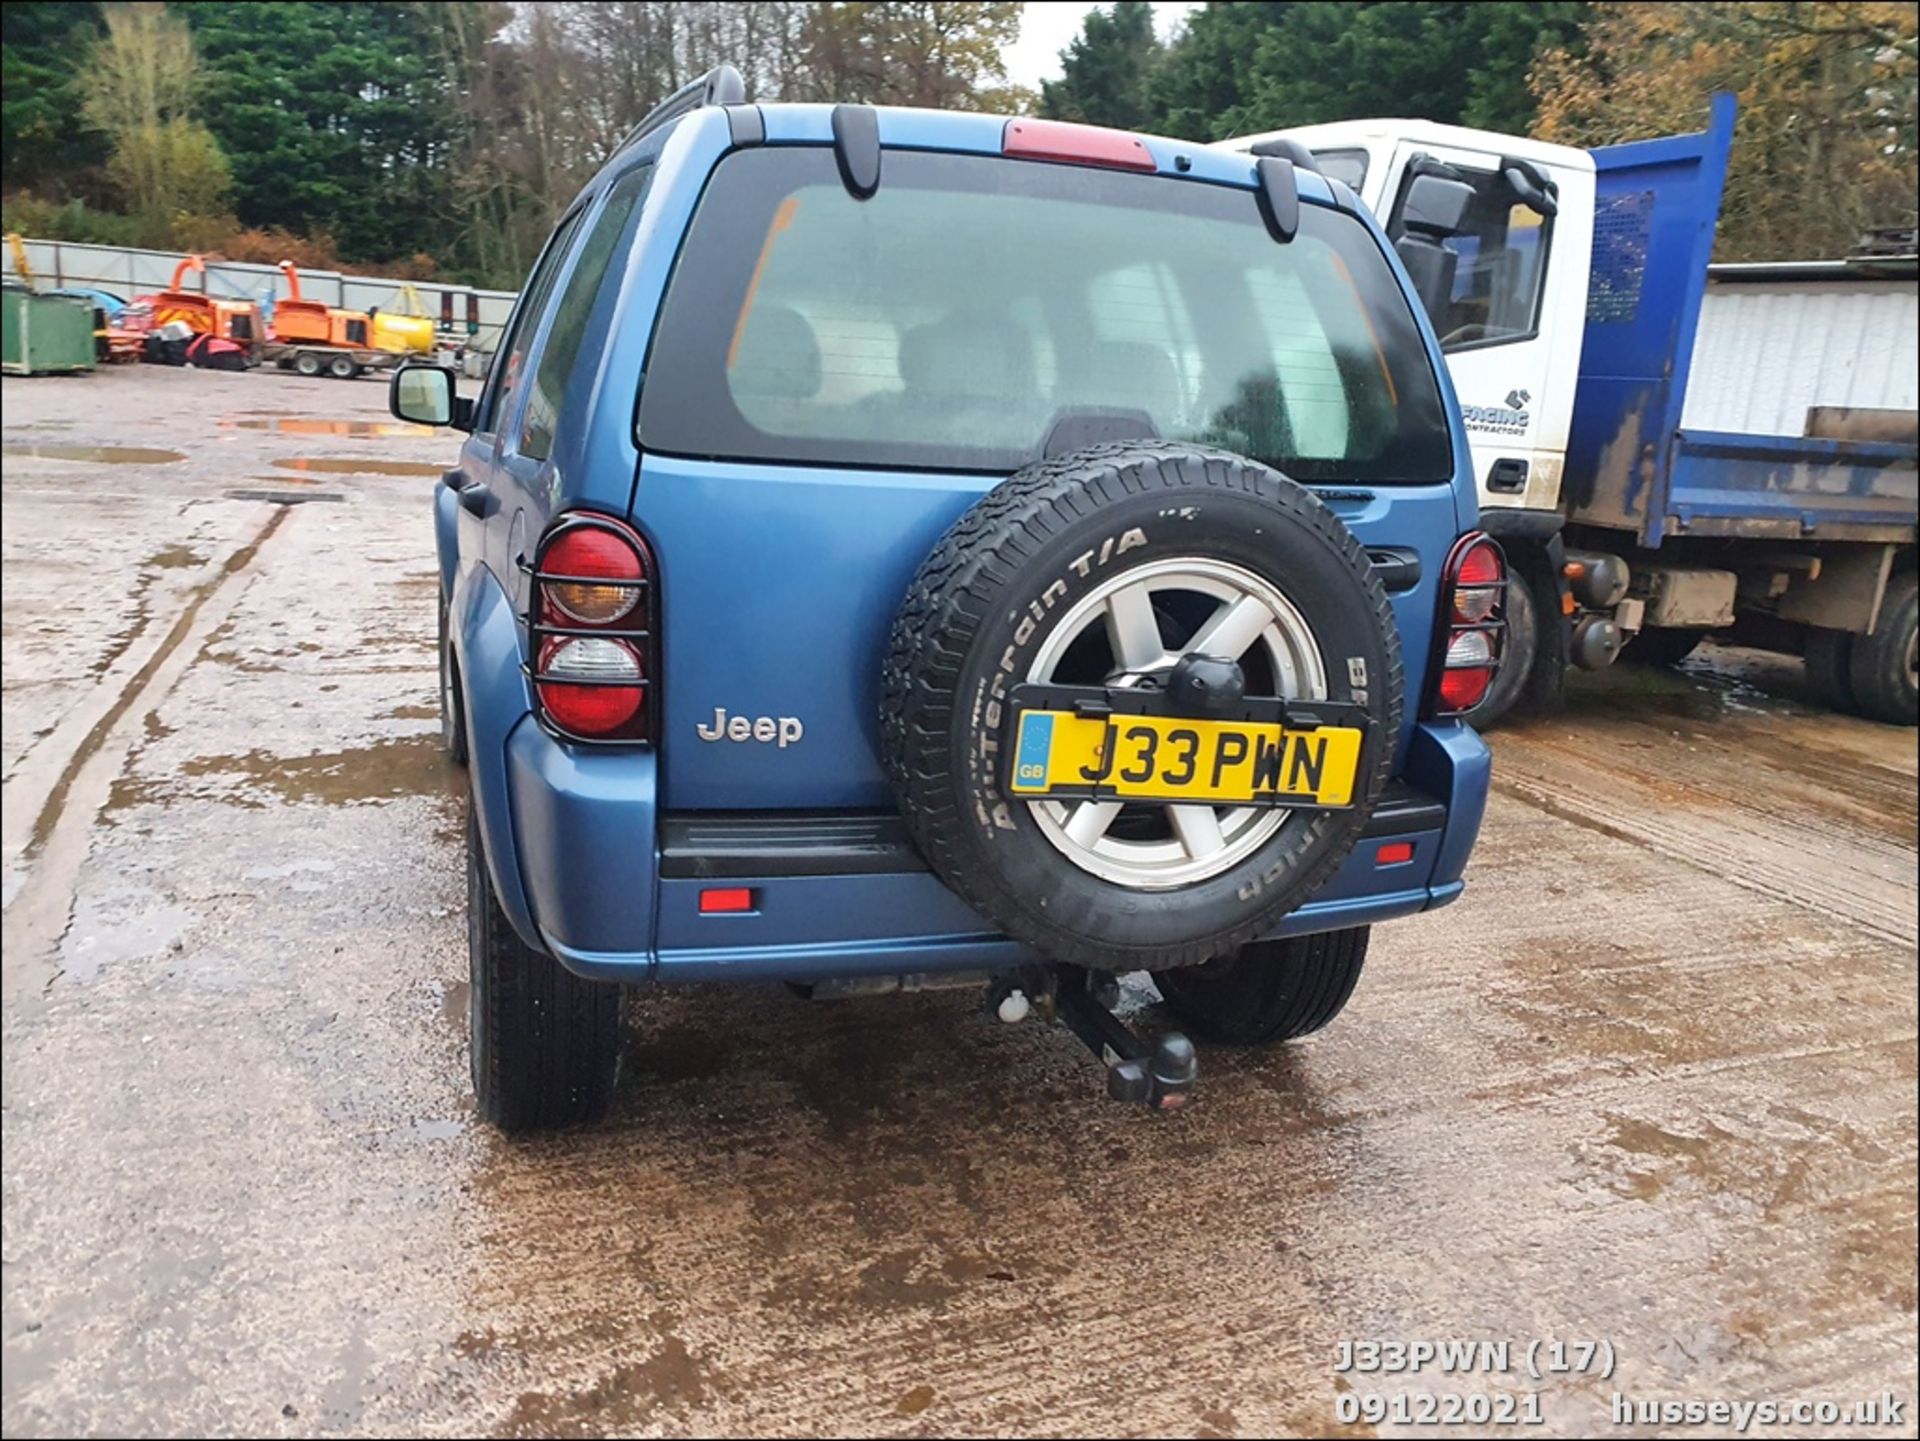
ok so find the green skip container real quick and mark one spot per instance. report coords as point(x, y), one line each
point(44, 334)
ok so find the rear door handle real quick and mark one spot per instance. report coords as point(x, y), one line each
point(1508, 476)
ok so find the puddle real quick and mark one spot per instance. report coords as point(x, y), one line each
point(410, 766)
point(357, 429)
point(454, 998)
point(100, 454)
point(286, 497)
point(176, 557)
point(338, 465)
point(128, 924)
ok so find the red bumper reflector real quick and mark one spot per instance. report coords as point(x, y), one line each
point(1394, 853)
point(1073, 144)
point(726, 901)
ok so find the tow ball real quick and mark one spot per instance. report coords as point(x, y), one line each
point(1157, 1074)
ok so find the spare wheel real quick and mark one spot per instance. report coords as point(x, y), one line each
point(1095, 589)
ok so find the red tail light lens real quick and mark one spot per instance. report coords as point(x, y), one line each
point(1472, 626)
point(592, 554)
point(591, 616)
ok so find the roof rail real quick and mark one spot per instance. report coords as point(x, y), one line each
point(721, 85)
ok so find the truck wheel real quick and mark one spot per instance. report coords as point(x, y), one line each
point(544, 1044)
point(306, 363)
point(1105, 567)
point(341, 367)
point(1883, 663)
point(453, 707)
point(1830, 669)
point(1270, 991)
point(1664, 645)
point(1522, 653)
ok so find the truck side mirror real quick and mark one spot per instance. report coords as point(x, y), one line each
point(1435, 205)
point(1531, 187)
point(425, 395)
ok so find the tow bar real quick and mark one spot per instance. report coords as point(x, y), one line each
point(1158, 1075)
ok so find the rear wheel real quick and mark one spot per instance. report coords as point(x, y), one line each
point(1829, 669)
point(545, 1044)
point(1664, 645)
point(1113, 567)
point(1883, 665)
point(1269, 991)
point(341, 367)
point(306, 363)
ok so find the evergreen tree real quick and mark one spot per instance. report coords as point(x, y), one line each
point(1107, 70)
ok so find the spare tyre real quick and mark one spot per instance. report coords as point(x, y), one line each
point(1104, 569)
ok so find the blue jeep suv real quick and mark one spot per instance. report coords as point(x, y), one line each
point(896, 547)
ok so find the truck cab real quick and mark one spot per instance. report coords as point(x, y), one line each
point(1666, 447)
point(1506, 287)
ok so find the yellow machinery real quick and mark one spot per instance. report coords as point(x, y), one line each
point(407, 329)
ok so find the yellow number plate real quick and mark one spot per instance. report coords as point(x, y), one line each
point(1169, 758)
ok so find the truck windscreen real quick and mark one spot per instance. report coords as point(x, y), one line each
point(955, 317)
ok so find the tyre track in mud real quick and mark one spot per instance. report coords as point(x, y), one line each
point(56, 845)
point(1829, 830)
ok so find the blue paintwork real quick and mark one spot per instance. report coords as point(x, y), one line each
point(1629, 465)
point(591, 881)
point(825, 555)
point(1792, 487)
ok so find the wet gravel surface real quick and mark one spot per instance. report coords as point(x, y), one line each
point(1650, 1083)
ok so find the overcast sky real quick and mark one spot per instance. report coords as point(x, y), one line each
point(1049, 25)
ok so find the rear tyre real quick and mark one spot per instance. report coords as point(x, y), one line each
point(341, 367)
point(544, 1044)
point(1882, 667)
point(1664, 645)
point(453, 708)
point(1107, 567)
point(306, 364)
point(1270, 991)
point(1830, 669)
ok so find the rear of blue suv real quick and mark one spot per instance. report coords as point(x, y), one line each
point(897, 546)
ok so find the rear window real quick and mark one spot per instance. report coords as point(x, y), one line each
point(956, 317)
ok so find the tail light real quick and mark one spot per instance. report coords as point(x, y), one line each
point(1472, 626)
point(590, 614)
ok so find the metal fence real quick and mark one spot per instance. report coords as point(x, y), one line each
point(478, 314)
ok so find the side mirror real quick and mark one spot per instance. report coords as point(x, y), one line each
point(1531, 187)
point(425, 395)
point(1435, 205)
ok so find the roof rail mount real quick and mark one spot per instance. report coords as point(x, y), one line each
point(721, 85)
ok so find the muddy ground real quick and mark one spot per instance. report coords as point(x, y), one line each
point(1650, 1083)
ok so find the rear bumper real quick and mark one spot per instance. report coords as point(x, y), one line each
point(845, 894)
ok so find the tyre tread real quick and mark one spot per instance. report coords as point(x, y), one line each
point(949, 598)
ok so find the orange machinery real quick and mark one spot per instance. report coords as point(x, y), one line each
point(310, 322)
point(234, 320)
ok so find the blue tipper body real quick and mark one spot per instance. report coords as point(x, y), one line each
point(787, 613)
point(1630, 464)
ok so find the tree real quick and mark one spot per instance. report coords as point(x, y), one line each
point(139, 88)
point(1824, 147)
point(939, 53)
point(334, 115)
point(1200, 89)
point(45, 142)
point(1106, 70)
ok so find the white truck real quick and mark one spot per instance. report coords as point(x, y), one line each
point(1666, 448)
